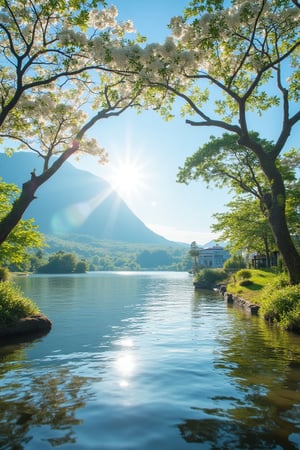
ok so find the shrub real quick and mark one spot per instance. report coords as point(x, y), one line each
point(4, 274)
point(235, 262)
point(282, 306)
point(208, 278)
point(243, 274)
point(13, 305)
point(81, 267)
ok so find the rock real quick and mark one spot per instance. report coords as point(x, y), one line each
point(228, 297)
point(239, 301)
point(37, 324)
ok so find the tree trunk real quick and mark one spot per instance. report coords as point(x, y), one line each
point(285, 243)
point(267, 251)
point(27, 195)
point(275, 205)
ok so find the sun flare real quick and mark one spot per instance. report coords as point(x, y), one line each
point(128, 178)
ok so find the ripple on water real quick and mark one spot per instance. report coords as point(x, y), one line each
point(142, 362)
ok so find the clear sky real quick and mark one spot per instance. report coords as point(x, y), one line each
point(148, 150)
point(156, 149)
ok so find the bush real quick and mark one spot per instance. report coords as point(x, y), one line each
point(208, 278)
point(13, 306)
point(4, 274)
point(243, 274)
point(235, 262)
point(282, 306)
point(81, 267)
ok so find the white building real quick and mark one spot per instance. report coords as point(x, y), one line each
point(213, 257)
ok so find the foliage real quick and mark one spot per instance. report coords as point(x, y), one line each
point(235, 262)
point(56, 83)
point(250, 291)
point(230, 63)
point(4, 274)
point(62, 263)
point(243, 274)
point(81, 267)
point(194, 253)
point(110, 255)
point(150, 259)
point(209, 278)
point(248, 217)
point(244, 226)
point(13, 305)
point(282, 306)
point(24, 237)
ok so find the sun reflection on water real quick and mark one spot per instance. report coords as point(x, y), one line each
point(126, 362)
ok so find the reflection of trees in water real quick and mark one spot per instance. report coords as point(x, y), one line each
point(226, 435)
point(263, 365)
point(49, 399)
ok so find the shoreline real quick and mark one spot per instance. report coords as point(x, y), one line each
point(30, 325)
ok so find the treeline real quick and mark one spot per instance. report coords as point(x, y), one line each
point(128, 258)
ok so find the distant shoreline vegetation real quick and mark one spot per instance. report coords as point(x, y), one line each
point(62, 262)
point(86, 254)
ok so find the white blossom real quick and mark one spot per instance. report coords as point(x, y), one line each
point(106, 18)
point(69, 36)
point(177, 26)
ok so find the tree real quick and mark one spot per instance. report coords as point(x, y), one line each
point(24, 236)
point(245, 228)
point(244, 225)
point(81, 267)
point(224, 162)
point(235, 262)
point(229, 66)
point(156, 258)
point(60, 262)
point(194, 252)
point(56, 84)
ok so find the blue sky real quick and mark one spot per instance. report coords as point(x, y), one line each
point(157, 148)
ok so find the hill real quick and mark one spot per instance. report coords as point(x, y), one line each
point(77, 202)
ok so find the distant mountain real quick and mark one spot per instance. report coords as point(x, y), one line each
point(213, 243)
point(76, 201)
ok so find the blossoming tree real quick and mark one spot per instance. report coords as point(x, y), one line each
point(56, 83)
point(229, 65)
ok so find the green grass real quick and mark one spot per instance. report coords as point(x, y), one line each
point(13, 305)
point(279, 303)
point(249, 287)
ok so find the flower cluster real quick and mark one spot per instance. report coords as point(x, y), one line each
point(102, 19)
point(68, 36)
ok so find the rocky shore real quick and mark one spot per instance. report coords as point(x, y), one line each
point(37, 324)
point(245, 304)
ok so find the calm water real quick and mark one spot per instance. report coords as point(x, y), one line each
point(139, 361)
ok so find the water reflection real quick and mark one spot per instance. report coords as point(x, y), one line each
point(142, 361)
point(33, 402)
point(262, 364)
point(125, 361)
point(219, 434)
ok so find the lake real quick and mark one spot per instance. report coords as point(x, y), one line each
point(141, 361)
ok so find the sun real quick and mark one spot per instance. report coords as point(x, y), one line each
point(128, 177)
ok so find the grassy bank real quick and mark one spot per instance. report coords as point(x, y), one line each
point(279, 303)
point(13, 305)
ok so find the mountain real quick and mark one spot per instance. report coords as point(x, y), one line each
point(214, 243)
point(75, 201)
